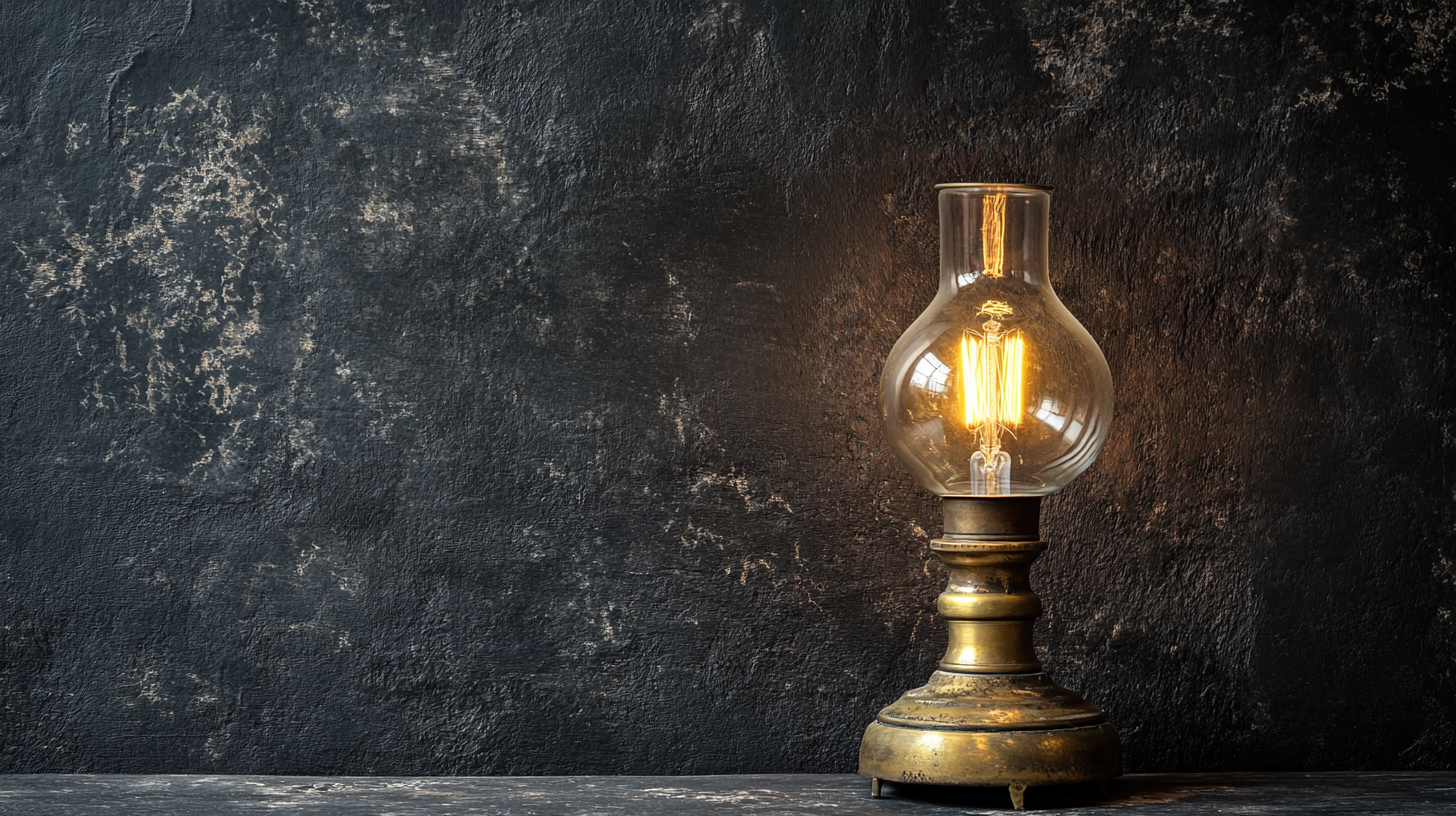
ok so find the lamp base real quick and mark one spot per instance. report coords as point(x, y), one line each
point(951, 753)
point(990, 716)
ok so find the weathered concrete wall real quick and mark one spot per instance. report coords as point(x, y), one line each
point(489, 387)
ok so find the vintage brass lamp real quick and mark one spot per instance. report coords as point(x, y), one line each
point(993, 398)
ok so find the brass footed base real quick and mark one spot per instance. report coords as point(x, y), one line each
point(1059, 756)
point(990, 717)
point(959, 748)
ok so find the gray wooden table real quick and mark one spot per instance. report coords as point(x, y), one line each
point(842, 795)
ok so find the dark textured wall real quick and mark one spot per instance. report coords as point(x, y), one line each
point(490, 387)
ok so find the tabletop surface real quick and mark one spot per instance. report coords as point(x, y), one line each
point(842, 795)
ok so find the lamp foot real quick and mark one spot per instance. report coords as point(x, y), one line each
point(1018, 795)
point(874, 787)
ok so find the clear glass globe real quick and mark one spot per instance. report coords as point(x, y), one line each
point(996, 390)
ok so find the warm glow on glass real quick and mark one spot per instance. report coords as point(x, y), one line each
point(996, 389)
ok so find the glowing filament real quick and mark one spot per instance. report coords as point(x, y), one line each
point(993, 234)
point(992, 384)
point(992, 363)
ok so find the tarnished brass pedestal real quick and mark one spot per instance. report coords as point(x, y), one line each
point(990, 716)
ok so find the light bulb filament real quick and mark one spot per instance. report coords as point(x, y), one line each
point(992, 383)
point(993, 235)
point(992, 365)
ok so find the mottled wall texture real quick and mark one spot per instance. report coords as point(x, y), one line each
point(490, 387)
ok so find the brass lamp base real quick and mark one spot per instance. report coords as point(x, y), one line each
point(990, 716)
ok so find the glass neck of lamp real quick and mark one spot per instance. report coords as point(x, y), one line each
point(993, 231)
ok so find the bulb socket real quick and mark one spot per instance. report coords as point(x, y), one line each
point(993, 518)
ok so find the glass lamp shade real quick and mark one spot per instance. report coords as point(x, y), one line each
point(996, 390)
